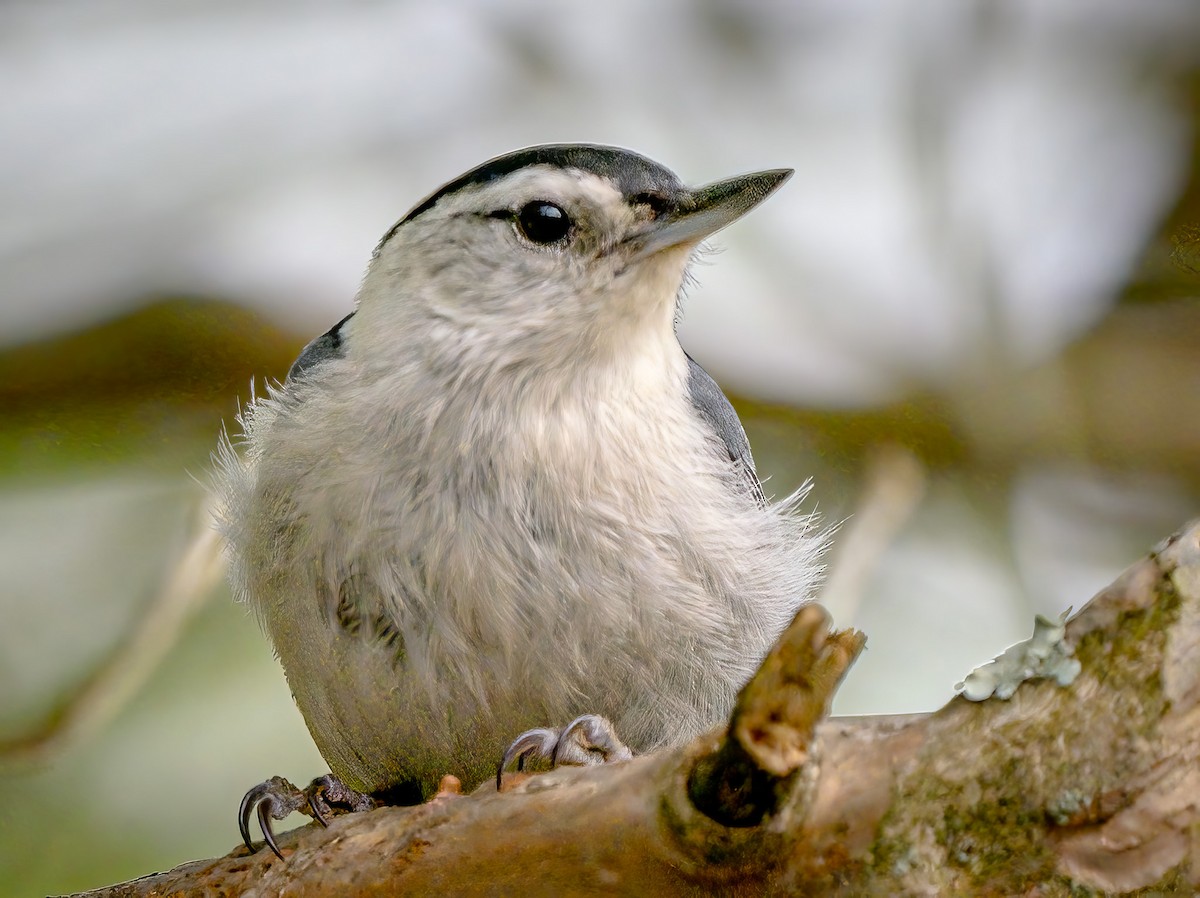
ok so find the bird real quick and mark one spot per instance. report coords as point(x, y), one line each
point(499, 496)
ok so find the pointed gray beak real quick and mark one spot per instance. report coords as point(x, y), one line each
point(702, 211)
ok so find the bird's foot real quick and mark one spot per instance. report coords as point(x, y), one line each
point(324, 797)
point(588, 739)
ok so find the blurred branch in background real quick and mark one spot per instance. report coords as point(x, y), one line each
point(151, 385)
point(892, 488)
point(193, 571)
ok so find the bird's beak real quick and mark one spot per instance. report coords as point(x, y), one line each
point(702, 211)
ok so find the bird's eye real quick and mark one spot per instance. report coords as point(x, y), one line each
point(543, 222)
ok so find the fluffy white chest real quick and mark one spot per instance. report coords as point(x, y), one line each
point(429, 587)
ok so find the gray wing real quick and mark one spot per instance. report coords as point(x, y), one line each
point(327, 346)
point(716, 411)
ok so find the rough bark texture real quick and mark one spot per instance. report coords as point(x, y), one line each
point(1093, 788)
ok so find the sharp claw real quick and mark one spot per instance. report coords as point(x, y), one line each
point(565, 736)
point(249, 800)
point(264, 820)
point(276, 798)
point(538, 740)
point(588, 739)
point(316, 811)
point(596, 737)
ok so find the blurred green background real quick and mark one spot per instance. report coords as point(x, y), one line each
point(970, 318)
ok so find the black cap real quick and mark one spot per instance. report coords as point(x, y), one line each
point(632, 173)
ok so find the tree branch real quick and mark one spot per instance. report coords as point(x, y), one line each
point(1095, 785)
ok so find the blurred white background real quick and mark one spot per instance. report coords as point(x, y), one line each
point(970, 317)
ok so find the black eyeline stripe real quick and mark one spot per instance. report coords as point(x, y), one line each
point(631, 172)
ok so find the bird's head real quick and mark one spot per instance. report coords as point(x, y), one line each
point(545, 255)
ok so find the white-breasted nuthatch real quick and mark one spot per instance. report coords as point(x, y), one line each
point(499, 494)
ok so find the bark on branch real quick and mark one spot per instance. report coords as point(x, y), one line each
point(1092, 787)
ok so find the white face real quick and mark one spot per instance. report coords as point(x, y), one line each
point(530, 267)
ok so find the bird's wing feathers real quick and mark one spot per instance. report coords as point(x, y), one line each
point(716, 411)
point(326, 346)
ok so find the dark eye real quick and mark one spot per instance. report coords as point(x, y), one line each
point(543, 222)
